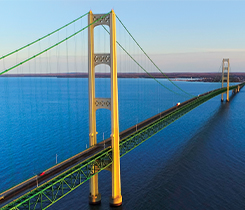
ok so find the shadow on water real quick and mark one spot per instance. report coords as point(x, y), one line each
point(193, 142)
point(165, 185)
point(165, 179)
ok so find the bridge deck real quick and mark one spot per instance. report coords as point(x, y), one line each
point(96, 152)
point(59, 168)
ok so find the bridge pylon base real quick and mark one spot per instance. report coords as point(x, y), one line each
point(95, 200)
point(116, 201)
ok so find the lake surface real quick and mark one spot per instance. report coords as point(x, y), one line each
point(198, 162)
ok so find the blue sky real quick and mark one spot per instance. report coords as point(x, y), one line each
point(178, 35)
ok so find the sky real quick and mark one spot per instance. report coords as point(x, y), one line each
point(180, 36)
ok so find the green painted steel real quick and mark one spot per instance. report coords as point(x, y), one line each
point(151, 59)
point(149, 74)
point(44, 36)
point(49, 48)
point(53, 190)
point(144, 134)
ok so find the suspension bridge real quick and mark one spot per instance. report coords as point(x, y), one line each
point(46, 188)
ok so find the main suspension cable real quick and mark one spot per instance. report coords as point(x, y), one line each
point(142, 66)
point(151, 59)
point(47, 49)
point(43, 37)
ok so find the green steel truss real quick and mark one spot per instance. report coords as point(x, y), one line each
point(144, 134)
point(53, 190)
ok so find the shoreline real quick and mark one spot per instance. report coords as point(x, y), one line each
point(190, 77)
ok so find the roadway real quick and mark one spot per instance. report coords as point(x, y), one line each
point(30, 184)
point(46, 175)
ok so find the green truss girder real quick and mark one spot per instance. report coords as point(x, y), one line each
point(55, 189)
point(128, 144)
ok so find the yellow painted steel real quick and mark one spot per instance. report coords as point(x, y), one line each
point(94, 196)
point(116, 199)
point(228, 80)
point(225, 70)
point(222, 80)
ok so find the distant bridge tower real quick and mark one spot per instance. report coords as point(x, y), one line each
point(225, 77)
point(107, 103)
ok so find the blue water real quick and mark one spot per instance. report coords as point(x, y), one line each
point(198, 162)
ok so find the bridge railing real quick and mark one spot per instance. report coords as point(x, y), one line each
point(53, 190)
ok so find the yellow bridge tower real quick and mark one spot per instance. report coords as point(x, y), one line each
point(107, 103)
point(225, 77)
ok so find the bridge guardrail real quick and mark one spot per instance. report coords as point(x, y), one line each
point(56, 188)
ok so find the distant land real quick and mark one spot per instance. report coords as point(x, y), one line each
point(191, 77)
